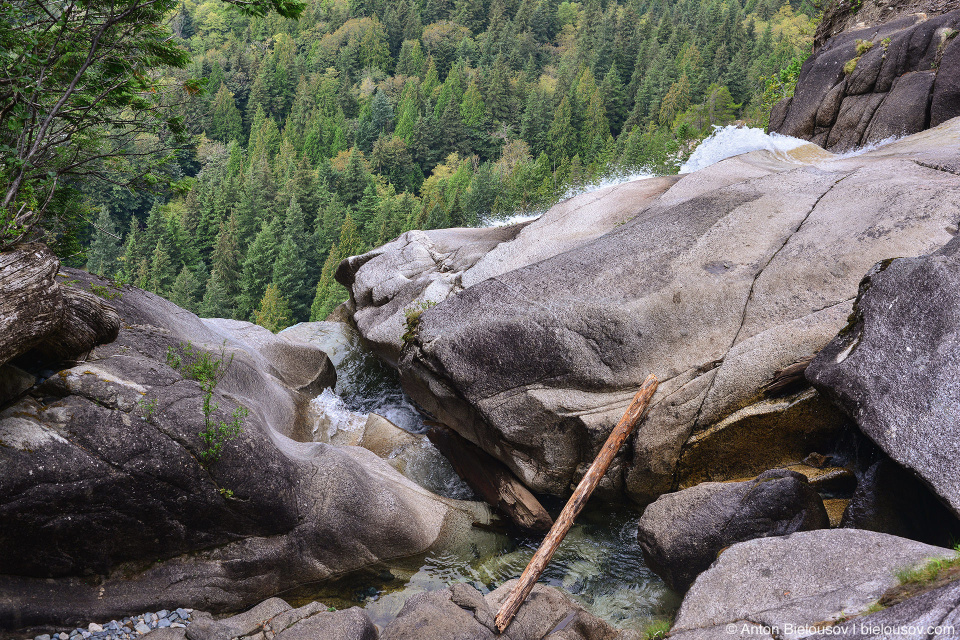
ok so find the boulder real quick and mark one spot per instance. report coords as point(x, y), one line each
point(894, 367)
point(783, 586)
point(274, 618)
point(462, 613)
point(682, 533)
point(934, 615)
point(903, 83)
point(110, 449)
point(728, 275)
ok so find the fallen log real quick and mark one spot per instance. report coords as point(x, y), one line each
point(491, 479)
point(576, 503)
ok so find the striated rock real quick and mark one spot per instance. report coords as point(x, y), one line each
point(903, 83)
point(894, 368)
point(88, 321)
point(462, 613)
point(31, 306)
point(796, 581)
point(731, 274)
point(682, 533)
point(110, 449)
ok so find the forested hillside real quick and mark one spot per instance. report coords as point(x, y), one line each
point(327, 135)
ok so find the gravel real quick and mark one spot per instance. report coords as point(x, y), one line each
point(125, 629)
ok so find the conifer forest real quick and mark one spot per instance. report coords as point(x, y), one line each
point(294, 139)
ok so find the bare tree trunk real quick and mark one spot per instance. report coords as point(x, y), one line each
point(576, 503)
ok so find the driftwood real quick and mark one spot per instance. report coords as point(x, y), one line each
point(31, 301)
point(491, 479)
point(576, 503)
point(788, 379)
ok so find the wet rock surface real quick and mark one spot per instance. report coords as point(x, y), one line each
point(682, 533)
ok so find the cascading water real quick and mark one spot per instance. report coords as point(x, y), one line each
point(729, 141)
point(599, 563)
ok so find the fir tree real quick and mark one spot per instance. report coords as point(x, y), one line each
point(104, 251)
point(258, 269)
point(184, 291)
point(273, 312)
point(290, 268)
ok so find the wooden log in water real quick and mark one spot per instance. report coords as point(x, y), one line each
point(576, 503)
point(491, 479)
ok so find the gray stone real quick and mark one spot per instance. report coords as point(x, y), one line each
point(288, 618)
point(800, 580)
point(167, 634)
point(13, 382)
point(249, 622)
point(462, 613)
point(934, 615)
point(731, 274)
point(911, 47)
point(894, 368)
point(84, 461)
point(348, 624)
point(142, 628)
point(682, 533)
point(184, 613)
point(904, 109)
point(45, 636)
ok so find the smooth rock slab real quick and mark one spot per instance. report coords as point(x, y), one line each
point(734, 272)
point(797, 580)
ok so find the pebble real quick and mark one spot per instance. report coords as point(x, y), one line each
point(127, 628)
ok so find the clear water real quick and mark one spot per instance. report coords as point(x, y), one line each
point(599, 562)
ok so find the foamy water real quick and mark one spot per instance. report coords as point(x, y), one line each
point(726, 142)
point(609, 180)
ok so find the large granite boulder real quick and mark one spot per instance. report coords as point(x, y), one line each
point(884, 69)
point(682, 533)
point(714, 283)
point(463, 613)
point(894, 367)
point(111, 503)
point(793, 583)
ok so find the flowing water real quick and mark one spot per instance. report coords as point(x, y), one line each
point(599, 563)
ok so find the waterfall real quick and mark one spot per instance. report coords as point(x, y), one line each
point(729, 141)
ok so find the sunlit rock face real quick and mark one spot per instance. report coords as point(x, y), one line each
point(713, 282)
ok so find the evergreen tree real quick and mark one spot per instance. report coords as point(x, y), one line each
point(273, 312)
point(226, 123)
point(217, 301)
point(257, 270)
point(104, 251)
point(290, 269)
point(184, 291)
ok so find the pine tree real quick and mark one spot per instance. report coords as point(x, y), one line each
point(355, 178)
point(226, 260)
point(217, 301)
point(160, 275)
point(226, 123)
point(104, 251)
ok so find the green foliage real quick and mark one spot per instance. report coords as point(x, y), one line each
point(274, 311)
point(656, 630)
point(149, 407)
point(411, 322)
point(104, 292)
point(931, 571)
point(208, 370)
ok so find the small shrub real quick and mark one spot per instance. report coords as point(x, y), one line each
point(104, 293)
point(149, 407)
point(863, 46)
point(412, 322)
point(850, 66)
point(208, 369)
point(656, 630)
